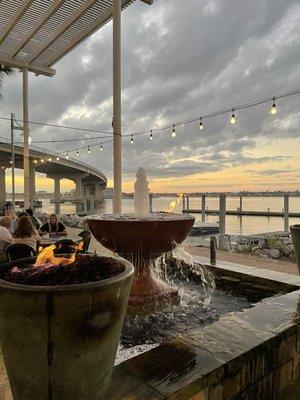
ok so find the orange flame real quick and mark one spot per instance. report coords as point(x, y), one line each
point(47, 257)
point(173, 204)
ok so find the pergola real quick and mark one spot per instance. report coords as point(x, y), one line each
point(36, 34)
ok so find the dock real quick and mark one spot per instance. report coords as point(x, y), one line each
point(243, 212)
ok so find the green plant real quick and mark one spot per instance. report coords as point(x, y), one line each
point(4, 70)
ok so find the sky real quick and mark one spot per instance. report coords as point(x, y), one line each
point(181, 59)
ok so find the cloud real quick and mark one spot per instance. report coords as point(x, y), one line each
point(179, 61)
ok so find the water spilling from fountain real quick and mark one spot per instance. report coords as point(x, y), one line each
point(170, 293)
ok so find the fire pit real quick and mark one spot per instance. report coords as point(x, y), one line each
point(60, 322)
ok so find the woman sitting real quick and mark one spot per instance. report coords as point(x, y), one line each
point(26, 233)
point(54, 227)
point(14, 223)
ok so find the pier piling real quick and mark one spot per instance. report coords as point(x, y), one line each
point(286, 212)
point(222, 214)
point(203, 208)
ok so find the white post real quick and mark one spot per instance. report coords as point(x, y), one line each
point(117, 202)
point(26, 139)
point(203, 208)
point(286, 212)
point(222, 214)
point(13, 186)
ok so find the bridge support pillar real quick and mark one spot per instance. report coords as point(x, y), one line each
point(32, 188)
point(2, 187)
point(57, 194)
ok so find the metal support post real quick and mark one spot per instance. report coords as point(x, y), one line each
point(26, 139)
point(13, 186)
point(117, 201)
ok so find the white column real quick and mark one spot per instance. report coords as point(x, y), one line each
point(26, 139)
point(222, 214)
point(117, 202)
point(203, 208)
point(286, 212)
point(2, 187)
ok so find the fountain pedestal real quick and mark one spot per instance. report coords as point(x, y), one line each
point(141, 241)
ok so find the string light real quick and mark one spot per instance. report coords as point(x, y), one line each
point(57, 158)
point(35, 161)
point(89, 150)
point(42, 160)
point(233, 119)
point(50, 159)
point(101, 147)
point(11, 161)
point(273, 108)
point(201, 124)
point(67, 155)
point(77, 152)
point(174, 131)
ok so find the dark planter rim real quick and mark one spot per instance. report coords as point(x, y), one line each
point(296, 226)
point(183, 217)
point(129, 269)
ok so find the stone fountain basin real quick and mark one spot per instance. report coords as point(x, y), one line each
point(153, 236)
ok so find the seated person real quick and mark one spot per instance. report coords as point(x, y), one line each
point(54, 227)
point(5, 237)
point(14, 223)
point(35, 222)
point(26, 233)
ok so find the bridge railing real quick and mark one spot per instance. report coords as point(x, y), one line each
point(53, 154)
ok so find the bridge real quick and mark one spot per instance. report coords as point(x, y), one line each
point(89, 182)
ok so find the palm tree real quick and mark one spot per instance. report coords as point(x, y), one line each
point(4, 70)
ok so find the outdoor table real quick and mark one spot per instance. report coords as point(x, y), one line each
point(48, 241)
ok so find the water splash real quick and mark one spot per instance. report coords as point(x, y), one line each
point(183, 267)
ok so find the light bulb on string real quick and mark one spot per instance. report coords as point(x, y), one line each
point(151, 135)
point(42, 160)
point(67, 155)
point(101, 146)
point(35, 161)
point(174, 131)
point(57, 158)
point(273, 110)
point(89, 150)
point(77, 152)
point(49, 159)
point(201, 124)
point(131, 139)
point(232, 119)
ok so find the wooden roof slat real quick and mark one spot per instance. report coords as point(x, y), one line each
point(37, 33)
point(56, 4)
point(16, 18)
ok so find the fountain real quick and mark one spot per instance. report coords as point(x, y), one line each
point(141, 238)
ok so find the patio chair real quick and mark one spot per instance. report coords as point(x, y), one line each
point(19, 250)
point(86, 236)
point(64, 246)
